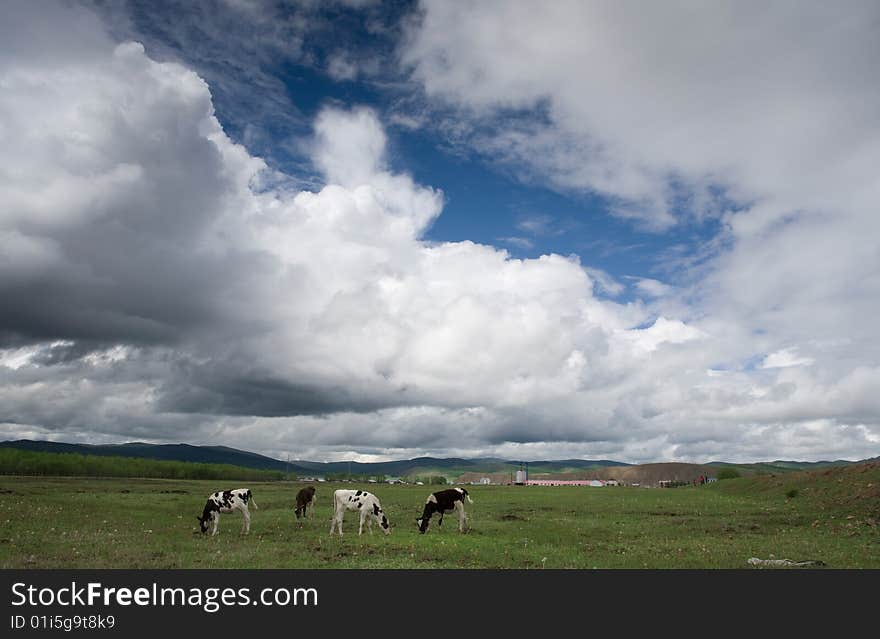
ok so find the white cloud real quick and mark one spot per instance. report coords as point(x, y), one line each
point(350, 146)
point(652, 288)
point(519, 242)
point(785, 358)
point(199, 301)
point(663, 331)
point(761, 118)
point(766, 102)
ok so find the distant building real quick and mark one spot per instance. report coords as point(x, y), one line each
point(566, 482)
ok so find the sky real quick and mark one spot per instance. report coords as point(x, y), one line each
point(360, 230)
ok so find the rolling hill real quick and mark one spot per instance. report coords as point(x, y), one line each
point(164, 452)
point(450, 467)
point(421, 466)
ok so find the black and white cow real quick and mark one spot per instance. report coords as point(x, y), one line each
point(305, 501)
point(227, 501)
point(367, 504)
point(443, 502)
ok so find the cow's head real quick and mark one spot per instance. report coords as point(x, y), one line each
point(380, 517)
point(425, 520)
point(203, 523)
point(208, 515)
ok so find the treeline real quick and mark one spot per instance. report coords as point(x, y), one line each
point(431, 480)
point(26, 462)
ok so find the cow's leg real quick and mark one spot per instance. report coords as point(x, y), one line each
point(370, 524)
point(215, 519)
point(246, 521)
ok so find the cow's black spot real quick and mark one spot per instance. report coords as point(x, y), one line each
point(384, 522)
point(359, 504)
point(376, 509)
point(357, 494)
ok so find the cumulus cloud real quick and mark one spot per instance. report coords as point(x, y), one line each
point(165, 289)
point(762, 119)
point(173, 284)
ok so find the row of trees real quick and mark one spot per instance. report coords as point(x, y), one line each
point(412, 479)
point(430, 480)
point(26, 462)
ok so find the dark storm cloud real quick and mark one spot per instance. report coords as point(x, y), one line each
point(231, 389)
point(125, 287)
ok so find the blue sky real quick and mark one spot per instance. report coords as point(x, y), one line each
point(486, 201)
point(362, 230)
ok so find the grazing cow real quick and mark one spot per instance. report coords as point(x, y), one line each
point(366, 503)
point(305, 500)
point(227, 501)
point(444, 502)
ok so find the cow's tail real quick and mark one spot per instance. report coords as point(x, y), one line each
point(254, 502)
point(469, 498)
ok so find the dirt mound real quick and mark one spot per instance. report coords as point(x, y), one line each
point(644, 474)
point(653, 474)
point(494, 478)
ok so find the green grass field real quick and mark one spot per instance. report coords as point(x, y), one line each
point(149, 523)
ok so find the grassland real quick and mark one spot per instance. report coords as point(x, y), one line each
point(828, 515)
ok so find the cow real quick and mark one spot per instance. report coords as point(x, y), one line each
point(305, 501)
point(227, 501)
point(360, 500)
point(442, 502)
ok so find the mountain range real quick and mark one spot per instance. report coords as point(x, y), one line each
point(235, 457)
point(400, 468)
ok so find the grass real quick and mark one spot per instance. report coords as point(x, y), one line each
point(149, 523)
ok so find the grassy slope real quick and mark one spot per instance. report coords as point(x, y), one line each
point(58, 522)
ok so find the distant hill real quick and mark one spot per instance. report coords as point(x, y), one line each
point(421, 466)
point(165, 452)
point(449, 467)
point(782, 466)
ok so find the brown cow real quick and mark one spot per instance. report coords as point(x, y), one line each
point(305, 498)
